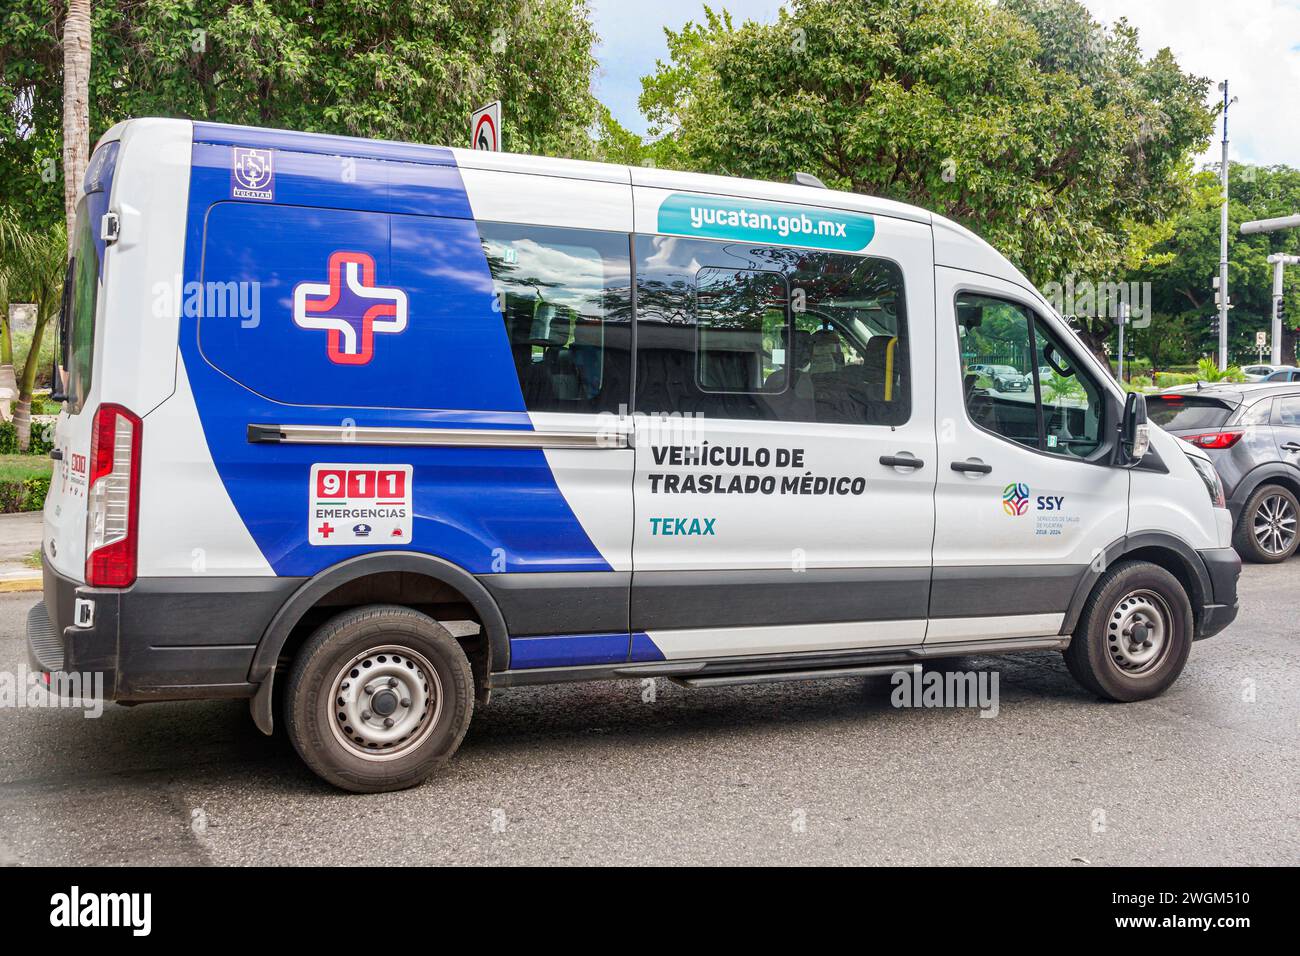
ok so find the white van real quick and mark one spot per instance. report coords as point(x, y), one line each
point(367, 430)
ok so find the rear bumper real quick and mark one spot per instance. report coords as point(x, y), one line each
point(1223, 567)
point(161, 638)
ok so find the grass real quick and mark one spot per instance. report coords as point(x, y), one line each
point(33, 560)
point(22, 467)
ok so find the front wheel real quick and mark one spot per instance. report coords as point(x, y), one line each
point(1267, 529)
point(1134, 634)
point(378, 698)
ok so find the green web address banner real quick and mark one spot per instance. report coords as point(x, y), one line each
point(714, 217)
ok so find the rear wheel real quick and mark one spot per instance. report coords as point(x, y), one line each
point(1134, 634)
point(378, 698)
point(1267, 531)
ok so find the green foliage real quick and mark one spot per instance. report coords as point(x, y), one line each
point(1207, 370)
point(1173, 379)
point(1181, 289)
point(1027, 121)
point(27, 494)
point(24, 482)
point(407, 71)
point(42, 440)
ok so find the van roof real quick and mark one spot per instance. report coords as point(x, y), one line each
point(954, 244)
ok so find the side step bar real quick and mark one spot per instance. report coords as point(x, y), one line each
point(778, 677)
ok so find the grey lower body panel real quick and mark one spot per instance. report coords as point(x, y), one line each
point(1003, 590)
point(702, 599)
point(165, 638)
point(580, 602)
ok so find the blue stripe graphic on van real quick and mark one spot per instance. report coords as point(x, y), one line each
point(403, 218)
point(575, 650)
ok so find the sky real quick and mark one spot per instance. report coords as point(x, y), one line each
point(1255, 44)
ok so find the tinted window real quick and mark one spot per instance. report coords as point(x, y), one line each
point(79, 324)
point(731, 330)
point(1288, 410)
point(1073, 409)
point(1177, 412)
point(565, 298)
point(1020, 381)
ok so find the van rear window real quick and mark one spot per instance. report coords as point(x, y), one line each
point(80, 320)
point(1180, 412)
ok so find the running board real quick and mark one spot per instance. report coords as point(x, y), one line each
point(778, 677)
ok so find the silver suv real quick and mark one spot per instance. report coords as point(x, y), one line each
point(1252, 433)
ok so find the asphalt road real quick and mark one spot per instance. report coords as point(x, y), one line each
point(825, 772)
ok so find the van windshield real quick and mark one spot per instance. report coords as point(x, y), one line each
point(1180, 412)
point(79, 323)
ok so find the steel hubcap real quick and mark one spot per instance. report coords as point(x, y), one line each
point(385, 702)
point(1275, 525)
point(1138, 633)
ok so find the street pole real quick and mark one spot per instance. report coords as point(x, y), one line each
point(1279, 262)
point(1223, 239)
point(1123, 321)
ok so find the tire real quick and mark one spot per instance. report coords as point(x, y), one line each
point(1270, 515)
point(1129, 594)
point(367, 666)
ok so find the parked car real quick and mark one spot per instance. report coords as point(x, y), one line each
point(1284, 373)
point(1252, 434)
point(1006, 379)
point(1258, 373)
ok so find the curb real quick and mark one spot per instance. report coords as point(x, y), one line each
point(22, 581)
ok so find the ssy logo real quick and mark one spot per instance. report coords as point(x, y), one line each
point(1015, 499)
point(252, 174)
point(350, 307)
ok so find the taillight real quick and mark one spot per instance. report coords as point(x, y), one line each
point(1223, 439)
point(113, 498)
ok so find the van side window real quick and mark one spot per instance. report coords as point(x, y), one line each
point(1019, 381)
point(565, 298)
point(738, 331)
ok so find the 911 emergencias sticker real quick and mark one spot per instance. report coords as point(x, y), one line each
point(360, 504)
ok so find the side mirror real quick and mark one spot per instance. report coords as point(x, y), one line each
point(1135, 432)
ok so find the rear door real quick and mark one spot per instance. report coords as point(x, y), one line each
point(1286, 428)
point(785, 440)
point(64, 536)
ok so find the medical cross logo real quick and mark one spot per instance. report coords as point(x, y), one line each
point(350, 307)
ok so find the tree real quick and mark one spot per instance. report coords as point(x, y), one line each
point(1027, 121)
point(1181, 278)
point(76, 109)
point(407, 71)
point(38, 270)
point(12, 248)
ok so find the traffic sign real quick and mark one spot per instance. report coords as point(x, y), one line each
point(485, 128)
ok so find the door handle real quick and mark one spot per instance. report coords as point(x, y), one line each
point(901, 461)
point(972, 466)
point(1291, 446)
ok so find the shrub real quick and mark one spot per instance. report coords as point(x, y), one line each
point(25, 494)
point(42, 438)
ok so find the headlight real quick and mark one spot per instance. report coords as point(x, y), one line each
point(1213, 484)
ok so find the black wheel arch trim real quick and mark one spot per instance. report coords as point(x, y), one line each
point(262, 669)
point(1259, 475)
point(1191, 561)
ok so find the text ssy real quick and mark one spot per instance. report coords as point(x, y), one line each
point(1051, 502)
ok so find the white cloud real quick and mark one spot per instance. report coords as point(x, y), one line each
point(1255, 44)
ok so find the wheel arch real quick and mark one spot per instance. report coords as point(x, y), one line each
point(1160, 548)
point(1273, 472)
point(314, 590)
